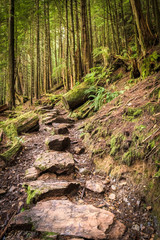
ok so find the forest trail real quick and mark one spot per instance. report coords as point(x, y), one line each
point(65, 191)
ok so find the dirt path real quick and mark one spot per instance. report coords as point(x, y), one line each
point(120, 196)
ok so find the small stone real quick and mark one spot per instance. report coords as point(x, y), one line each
point(58, 143)
point(112, 196)
point(84, 171)
point(12, 189)
point(122, 183)
point(61, 129)
point(32, 173)
point(138, 203)
point(149, 208)
point(136, 227)
point(2, 191)
point(113, 187)
point(46, 176)
point(79, 150)
point(95, 186)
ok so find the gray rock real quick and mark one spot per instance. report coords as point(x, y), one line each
point(58, 143)
point(67, 219)
point(95, 186)
point(50, 188)
point(32, 173)
point(55, 162)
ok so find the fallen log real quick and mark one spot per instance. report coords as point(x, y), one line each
point(27, 123)
point(12, 152)
point(76, 97)
point(56, 87)
point(3, 108)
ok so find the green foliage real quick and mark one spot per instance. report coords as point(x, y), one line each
point(149, 64)
point(100, 96)
point(31, 194)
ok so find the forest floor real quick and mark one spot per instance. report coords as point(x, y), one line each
point(120, 196)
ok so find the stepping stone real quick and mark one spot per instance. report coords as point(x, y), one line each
point(58, 143)
point(32, 173)
point(63, 120)
point(67, 219)
point(95, 186)
point(55, 162)
point(61, 129)
point(40, 189)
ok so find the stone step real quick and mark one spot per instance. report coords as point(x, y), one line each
point(61, 128)
point(68, 219)
point(58, 142)
point(63, 120)
point(55, 162)
point(39, 189)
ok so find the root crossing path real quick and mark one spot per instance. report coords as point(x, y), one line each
point(66, 197)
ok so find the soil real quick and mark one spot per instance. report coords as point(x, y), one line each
point(122, 196)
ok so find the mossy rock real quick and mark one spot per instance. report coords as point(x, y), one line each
point(150, 64)
point(12, 152)
point(115, 143)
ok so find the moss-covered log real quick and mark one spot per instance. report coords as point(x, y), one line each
point(76, 97)
point(27, 123)
point(12, 152)
point(83, 111)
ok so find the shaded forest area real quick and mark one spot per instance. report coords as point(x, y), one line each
point(47, 44)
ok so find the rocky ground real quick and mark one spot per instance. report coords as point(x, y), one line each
point(67, 197)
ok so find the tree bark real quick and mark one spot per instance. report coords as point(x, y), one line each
point(38, 55)
point(11, 83)
point(145, 36)
point(67, 46)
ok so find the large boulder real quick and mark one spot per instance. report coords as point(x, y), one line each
point(67, 219)
point(55, 162)
point(58, 142)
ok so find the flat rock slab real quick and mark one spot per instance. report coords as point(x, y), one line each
point(67, 219)
point(95, 186)
point(63, 120)
point(61, 129)
point(50, 188)
point(32, 173)
point(58, 142)
point(55, 162)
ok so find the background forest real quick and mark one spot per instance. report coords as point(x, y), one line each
point(44, 43)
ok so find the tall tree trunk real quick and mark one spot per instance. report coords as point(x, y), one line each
point(90, 34)
point(157, 18)
point(73, 47)
point(67, 46)
point(11, 83)
point(145, 36)
point(38, 54)
point(123, 25)
point(49, 48)
point(32, 63)
point(78, 51)
point(85, 38)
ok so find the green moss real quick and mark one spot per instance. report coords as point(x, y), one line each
point(12, 152)
point(48, 235)
point(152, 107)
point(140, 128)
point(115, 144)
point(131, 114)
point(149, 64)
point(32, 194)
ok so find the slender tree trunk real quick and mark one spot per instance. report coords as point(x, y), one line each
point(67, 46)
point(123, 25)
point(49, 48)
point(73, 47)
point(145, 36)
point(78, 51)
point(32, 64)
point(90, 34)
point(11, 83)
point(38, 54)
point(157, 18)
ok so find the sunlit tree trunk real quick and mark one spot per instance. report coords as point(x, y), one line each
point(37, 55)
point(67, 46)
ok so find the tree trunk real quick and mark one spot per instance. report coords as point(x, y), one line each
point(38, 54)
point(145, 36)
point(67, 46)
point(11, 83)
point(78, 51)
point(73, 47)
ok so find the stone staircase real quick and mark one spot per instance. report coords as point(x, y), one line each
point(50, 184)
